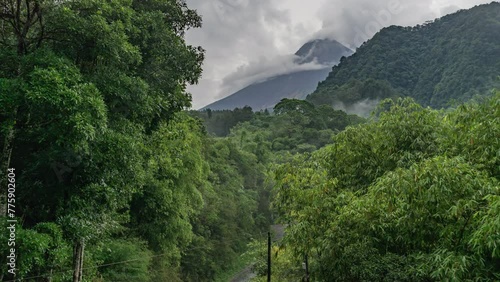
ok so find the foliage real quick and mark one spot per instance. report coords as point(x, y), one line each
point(91, 101)
point(133, 254)
point(219, 123)
point(295, 126)
point(284, 266)
point(38, 249)
point(230, 215)
point(401, 198)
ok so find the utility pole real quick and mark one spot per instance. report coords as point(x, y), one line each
point(268, 256)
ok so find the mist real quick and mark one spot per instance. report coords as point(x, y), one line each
point(362, 108)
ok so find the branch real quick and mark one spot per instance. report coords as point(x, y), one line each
point(5, 16)
point(42, 29)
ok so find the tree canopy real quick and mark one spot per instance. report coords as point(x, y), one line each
point(410, 196)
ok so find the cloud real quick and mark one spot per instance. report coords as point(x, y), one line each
point(449, 9)
point(247, 40)
point(362, 108)
point(356, 21)
point(263, 69)
point(234, 33)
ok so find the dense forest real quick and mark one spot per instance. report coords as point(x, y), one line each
point(411, 195)
point(114, 178)
point(440, 63)
point(114, 182)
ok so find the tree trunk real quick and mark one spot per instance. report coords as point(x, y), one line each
point(82, 252)
point(78, 251)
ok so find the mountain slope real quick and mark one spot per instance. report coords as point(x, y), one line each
point(452, 58)
point(293, 85)
point(324, 51)
point(268, 93)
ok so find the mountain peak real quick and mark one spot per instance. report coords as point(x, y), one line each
point(325, 51)
point(295, 84)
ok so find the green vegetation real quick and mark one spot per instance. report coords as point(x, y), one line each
point(438, 63)
point(410, 196)
point(294, 126)
point(115, 181)
point(219, 123)
point(111, 175)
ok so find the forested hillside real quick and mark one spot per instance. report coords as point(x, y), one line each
point(290, 117)
point(438, 63)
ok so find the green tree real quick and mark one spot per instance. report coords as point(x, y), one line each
point(406, 197)
point(86, 87)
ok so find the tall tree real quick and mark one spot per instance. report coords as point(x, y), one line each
point(84, 86)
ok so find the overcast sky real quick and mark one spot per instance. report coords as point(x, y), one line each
point(246, 40)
